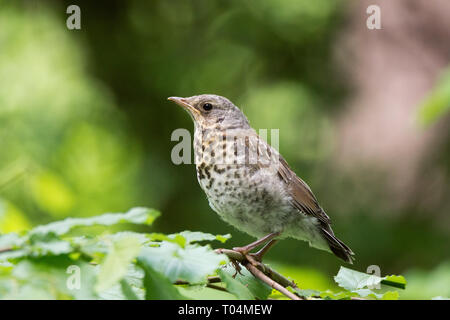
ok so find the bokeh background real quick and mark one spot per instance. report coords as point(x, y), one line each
point(363, 116)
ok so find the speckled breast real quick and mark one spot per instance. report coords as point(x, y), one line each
point(238, 191)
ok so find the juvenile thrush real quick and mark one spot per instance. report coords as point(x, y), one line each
point(250, 185)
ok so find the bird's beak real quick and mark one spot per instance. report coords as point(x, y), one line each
point(183, 103)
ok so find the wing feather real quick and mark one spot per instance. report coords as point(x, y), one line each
point(302, 197)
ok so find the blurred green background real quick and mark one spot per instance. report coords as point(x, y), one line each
point(85, 126)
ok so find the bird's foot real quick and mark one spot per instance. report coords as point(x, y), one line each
point(253, 258)
point(237, 267)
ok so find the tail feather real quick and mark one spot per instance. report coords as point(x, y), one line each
point(339, 248)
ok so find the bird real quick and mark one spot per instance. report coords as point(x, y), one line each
point(250, 185)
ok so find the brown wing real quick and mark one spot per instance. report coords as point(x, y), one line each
point(302, 197)
point(304, 200)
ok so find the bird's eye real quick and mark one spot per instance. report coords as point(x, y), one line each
point(207, 106)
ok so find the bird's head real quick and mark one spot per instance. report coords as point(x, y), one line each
point(209, 110)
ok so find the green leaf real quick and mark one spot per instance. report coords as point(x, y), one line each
point(258, 289)
point(116, 262)
point(343, 295)
point(307, 293)
point(157, 286)
point(50, 278)
point(352, 280)
point(367, 293)
point(135, 215)
point(55, 247)
point(390, 295)
point(38, 246)
point(118, 236)
point(187, 237)
point(192, 263)
point(437, 104)
point(196, 236)
point(235, 286)
point(202, 292)
point(128, 291)
point(175, 238)
point(363, 293)
point(120, 291)
point(135, 276)
point(361, 283)
point(14, 254)
point(10, 240)
point(395, 281)
point(223, 238)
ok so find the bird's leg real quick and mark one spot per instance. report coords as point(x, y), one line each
point(259, 255)
point(244, 250)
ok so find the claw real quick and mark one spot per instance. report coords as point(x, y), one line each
point(237, 267)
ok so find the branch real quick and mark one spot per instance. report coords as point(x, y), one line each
point(263, 272)
point(259, 270)
point(212, 279)
point(212, 286)
point(266, 274)
point(272, 283)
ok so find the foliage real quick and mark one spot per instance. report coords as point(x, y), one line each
point(58, 132)
point(54, 262)
point(437, 104)
point(428, 284)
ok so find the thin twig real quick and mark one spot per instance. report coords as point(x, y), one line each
point(212, 279)
point(259, 270)
point(272, 283)
point(5, 250)
point(212, 286)
point(285, 282)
